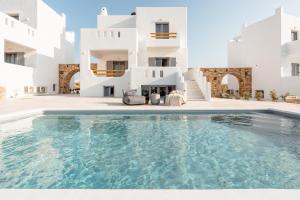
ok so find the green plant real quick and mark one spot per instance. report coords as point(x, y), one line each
point(284, 96)
point(274, 96)
point(246, 95)
point(259, 96)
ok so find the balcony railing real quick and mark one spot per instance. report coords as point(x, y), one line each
point(163, 35)
point(108, 73)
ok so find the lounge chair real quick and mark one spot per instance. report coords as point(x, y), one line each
point(293, 99)
point(130, 98)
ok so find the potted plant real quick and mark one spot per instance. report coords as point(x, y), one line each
point(274, 96)
point(246, 95)
point(284, 96)
point(259, 96)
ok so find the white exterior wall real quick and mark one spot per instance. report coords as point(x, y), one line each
point(134, 40)
point(262, 46)
point(177, 19)
point(47, 40)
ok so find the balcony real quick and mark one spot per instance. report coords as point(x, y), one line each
point(18, 32)
point(109, 39)
point(104, 72)
point(163, 40)
point(291, 48)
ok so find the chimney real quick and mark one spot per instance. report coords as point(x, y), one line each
point(104, 11)
point(279, 11)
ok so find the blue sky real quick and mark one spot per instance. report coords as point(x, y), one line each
point(211, 22)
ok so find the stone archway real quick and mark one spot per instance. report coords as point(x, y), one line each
point(215, 76)
point(66, 72)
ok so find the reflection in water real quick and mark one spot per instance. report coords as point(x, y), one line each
point(238, 120)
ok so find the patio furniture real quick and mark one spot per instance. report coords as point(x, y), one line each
point(130, 98)
point(293, 99)
point(175, 98)
point(155, 99)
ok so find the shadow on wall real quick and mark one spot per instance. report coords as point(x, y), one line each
point(98, 88)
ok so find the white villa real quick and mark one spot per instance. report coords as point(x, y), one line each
point(33, 41)
point(146, 50)
point(272, 48)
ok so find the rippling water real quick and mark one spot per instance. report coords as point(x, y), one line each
point(252, 150)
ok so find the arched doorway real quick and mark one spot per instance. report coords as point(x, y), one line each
point(66, 72)
point(75, 83)
point(230, 85)
point(215, 77)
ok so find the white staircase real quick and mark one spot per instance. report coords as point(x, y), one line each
point(193, 91)
point(197, 86)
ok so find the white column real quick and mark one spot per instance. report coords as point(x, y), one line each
point(85, 72)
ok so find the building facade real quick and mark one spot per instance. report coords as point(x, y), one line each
point(33, 41)
point(272, 48)
point(146, 50)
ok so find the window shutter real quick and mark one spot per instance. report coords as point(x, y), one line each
point(172, 62)
point(152, 62)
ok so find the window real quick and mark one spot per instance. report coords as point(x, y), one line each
point(15, 58)
point(11, 58)
point(295, 69)
point(162, 62)
point(162, 30)
point(109, 91)
point(294, 35)
point(119, 34)
point(54, 87)
point(153, 74)
point(161, 73)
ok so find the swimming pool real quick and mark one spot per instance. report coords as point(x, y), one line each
point(151, 151)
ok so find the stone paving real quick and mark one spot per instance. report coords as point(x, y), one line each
point(24, 104)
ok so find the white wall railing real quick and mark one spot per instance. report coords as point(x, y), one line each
point(17, 31)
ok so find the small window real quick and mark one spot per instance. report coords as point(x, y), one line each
point(54, 87)
point(112, 34)
point(294, 35)
point(109, 91)
point(161, 73)
point(119, 34)
point(295, 69)
point(153, 74)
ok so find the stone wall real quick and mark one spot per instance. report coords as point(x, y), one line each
point(66, 72)
point(216, 75)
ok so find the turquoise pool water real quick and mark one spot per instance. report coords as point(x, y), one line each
point(167, 151)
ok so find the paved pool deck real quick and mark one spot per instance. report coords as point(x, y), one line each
point(68, 102)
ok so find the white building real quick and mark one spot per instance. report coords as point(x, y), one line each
point(272, 48)
point(33, 41)
point(146, 50)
